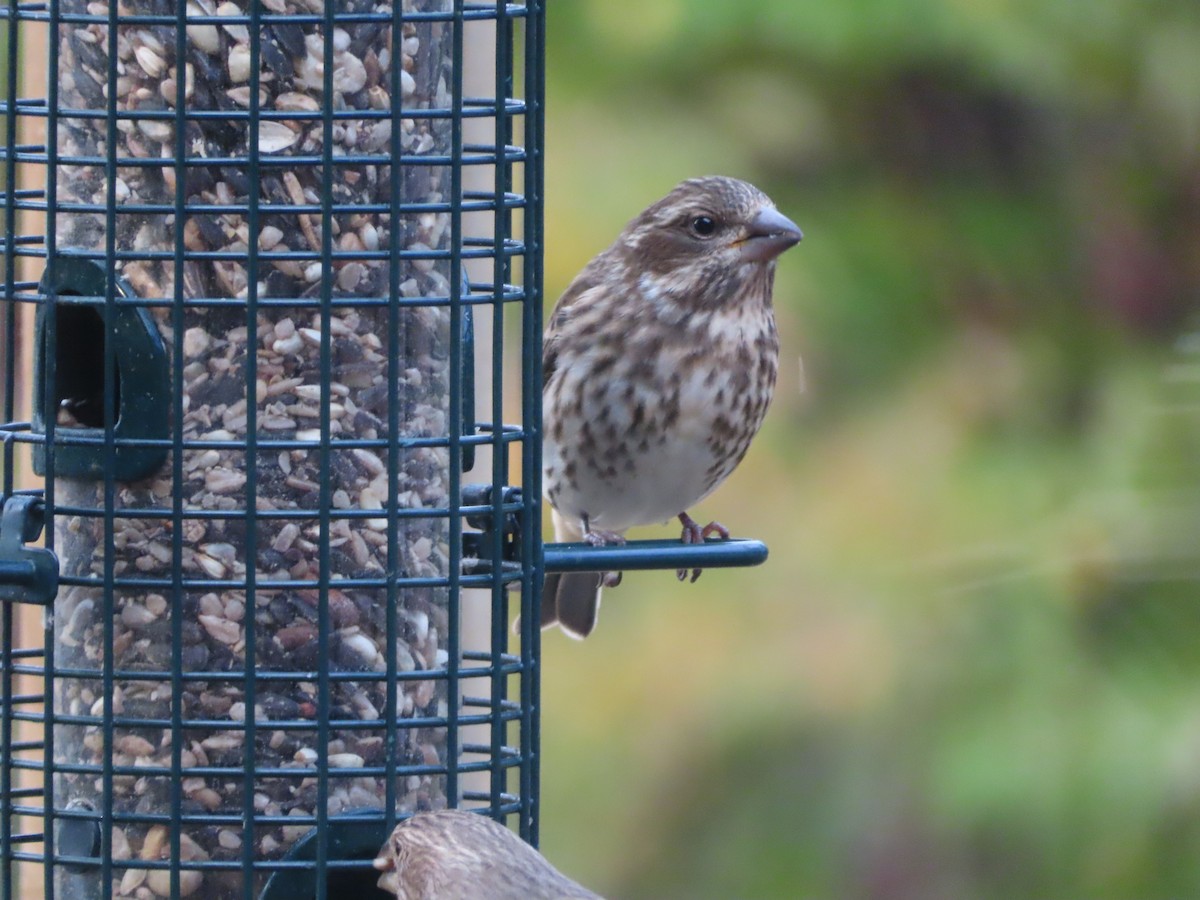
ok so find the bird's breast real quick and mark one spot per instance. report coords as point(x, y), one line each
point(637, 431)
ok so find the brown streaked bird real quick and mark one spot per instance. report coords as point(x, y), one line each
point(659, 363)
point(452, 854)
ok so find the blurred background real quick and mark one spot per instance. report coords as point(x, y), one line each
point(971, 666)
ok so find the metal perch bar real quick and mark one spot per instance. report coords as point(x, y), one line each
point(660, 554)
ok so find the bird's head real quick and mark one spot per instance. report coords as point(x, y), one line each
point(706, 238)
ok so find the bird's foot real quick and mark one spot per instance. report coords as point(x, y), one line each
point(604, 538)
point(694, 533)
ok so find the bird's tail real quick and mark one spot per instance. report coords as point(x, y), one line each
point(571, 600)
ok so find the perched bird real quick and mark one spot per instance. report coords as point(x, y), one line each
point(659, 363)
point(457, 855)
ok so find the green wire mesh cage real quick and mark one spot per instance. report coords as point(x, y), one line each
point(252, 252)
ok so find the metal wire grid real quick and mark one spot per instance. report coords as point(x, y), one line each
point(34, 775)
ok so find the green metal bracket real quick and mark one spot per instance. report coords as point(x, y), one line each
point(351, 838)
point(656, 554)
point(478, 501)
point(78, 838)
point(27, 574)
point(73, 345)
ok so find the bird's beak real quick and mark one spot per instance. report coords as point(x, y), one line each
point(769, 234)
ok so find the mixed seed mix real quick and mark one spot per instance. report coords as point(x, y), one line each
point(323, 362)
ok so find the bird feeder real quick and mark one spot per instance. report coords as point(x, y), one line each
point(249, 246)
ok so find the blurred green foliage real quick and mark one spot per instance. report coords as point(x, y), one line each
point(971, 666)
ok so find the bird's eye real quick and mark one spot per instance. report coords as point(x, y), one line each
point(703, 226)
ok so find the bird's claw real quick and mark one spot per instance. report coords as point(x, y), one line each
point(604, 538)
point(695, 533)
point(601, 538)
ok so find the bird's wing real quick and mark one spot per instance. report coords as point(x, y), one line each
point(579, 292)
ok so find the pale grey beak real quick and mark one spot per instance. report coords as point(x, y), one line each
point(769, 234)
